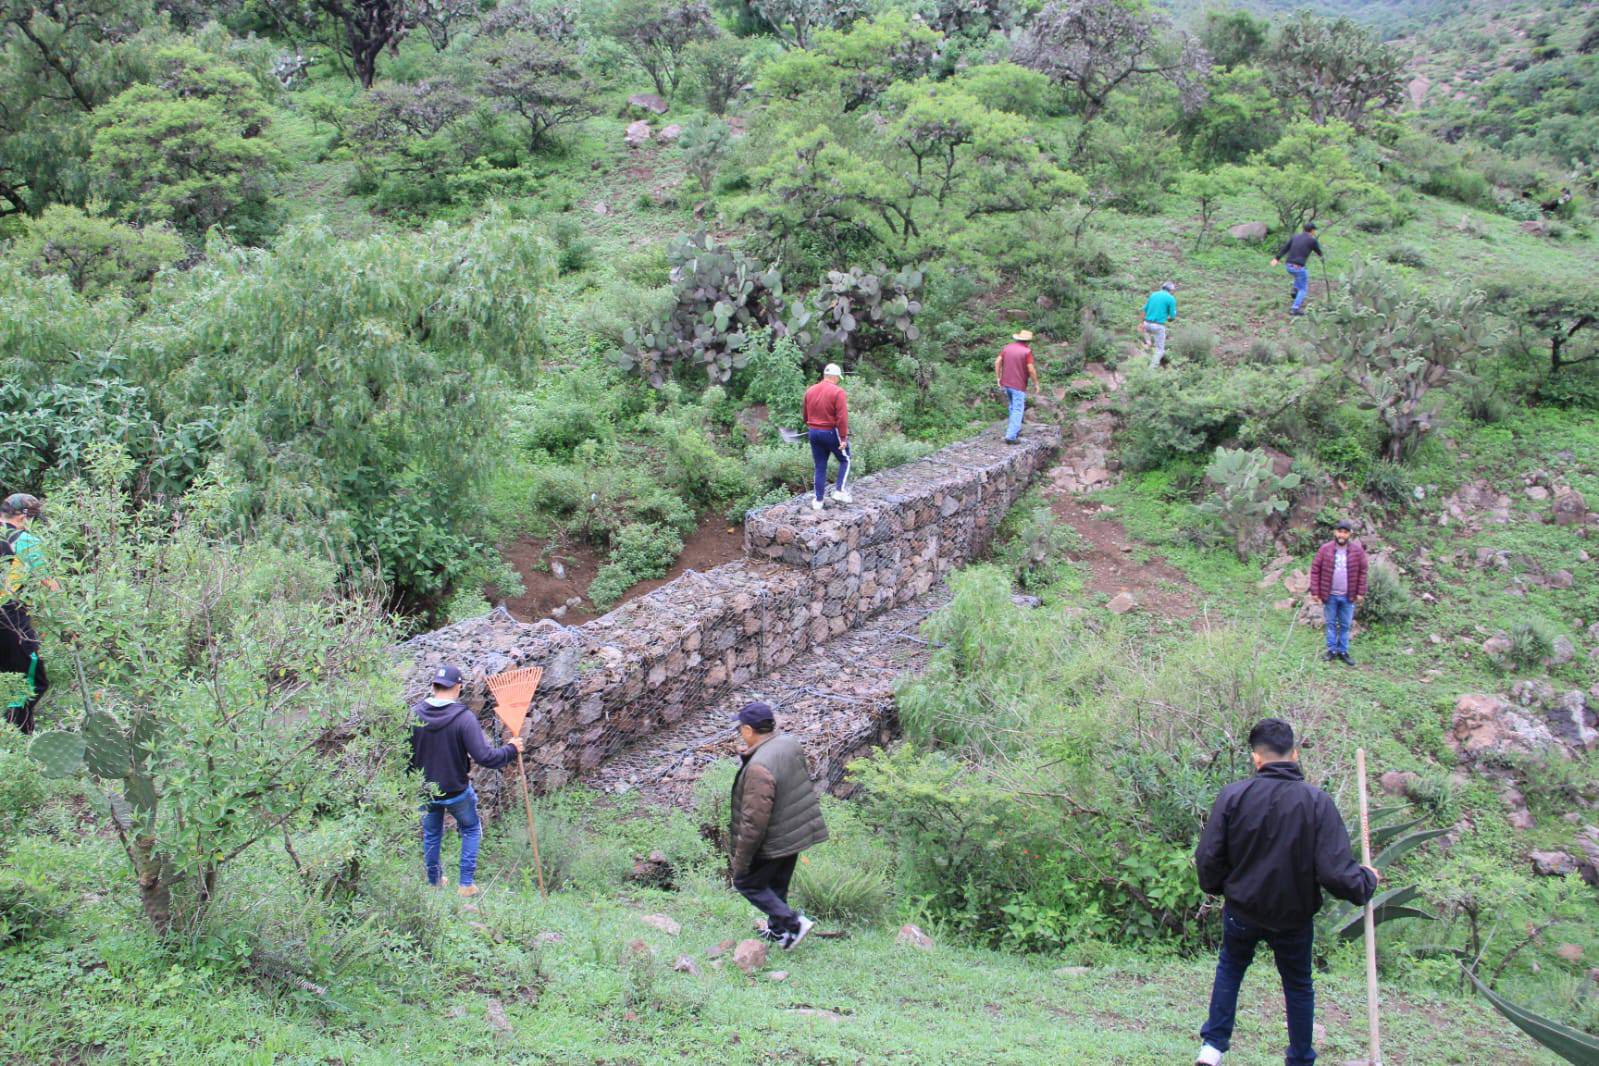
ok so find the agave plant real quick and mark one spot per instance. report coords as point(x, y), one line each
point(1573, 1045)
point(1346, 921)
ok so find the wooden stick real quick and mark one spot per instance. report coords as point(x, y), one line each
point(1371, 922)
point(533, 834)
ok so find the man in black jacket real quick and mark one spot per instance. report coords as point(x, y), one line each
point(443, 738)
point(1271, 845)
point(1298, 249)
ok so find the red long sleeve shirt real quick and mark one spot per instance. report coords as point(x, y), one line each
point(826, 407)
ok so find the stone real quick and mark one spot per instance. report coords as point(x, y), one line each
point(1487, 726)
point(1573, 721)
point(637, 133)
point(654, 104)
point(663, 923)
point(1552, 863)
point(818, 1012)
point(912, 935)
point(1519, 817)
point(1537, 492)
point(602, 209)
point(1570, 509)
point(669, 133)
point(750, 955)
point(1121, 603)
point(1536, 227)
point(1399, 782)
point(1297, 582)
point(655, 871)
point(1560, 579)
point(686, 964)
point(1570, 952)
point(1562, 652)
point(494, 1011)
point(1029, 602)
point(1417, 89)
point(777, 975)
point(721, 949)
point(1497, 646)
point(1249, 231)
point(638, 949)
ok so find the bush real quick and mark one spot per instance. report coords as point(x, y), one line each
point(1407, 255)
point(641, 551)
point(28, 909)
point(1390, 483)
point(574, 410)
point(1188, 409)
point(1038, 547)
point(1193, 343)
point(573, 251)
point(1532, 640)
point(774, 377)
point(1387, 598)
point(839, 890)
point(22, 787)
point(1246, 495)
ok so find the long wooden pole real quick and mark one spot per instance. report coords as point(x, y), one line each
point(1371, 923)
point(533, 834)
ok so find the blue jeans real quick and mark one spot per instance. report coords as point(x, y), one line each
point(463, 807)
point(1292, 949)
point(825, 445)
point(1018, 404)
point(1338, 613)
point(1301, 278)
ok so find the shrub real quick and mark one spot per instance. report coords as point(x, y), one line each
point(571, 412)
point(573, 251)
point(96, 255)
point(1407, 255)
point(1040, 543)
point(1483, 402)
point(1387, 598)
point(22, 787)
point(1188, 409)
point(28, 910)
point(774, 376)
point(1390, 483)
point(642, 550)
point(1532, 640)
point(1193, 343)
point(840, 891)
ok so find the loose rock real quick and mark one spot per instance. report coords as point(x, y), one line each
point(663, 923)
point(1485, 725)
point(750, 955)
point(1399, 782)
point(1552, 863)
point(637, 133)
point(1121, 603)
point(912, 935)
point(686, 964)
point(655, 105)
point(1249, 231)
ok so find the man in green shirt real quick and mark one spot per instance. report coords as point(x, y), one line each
point(1160, 310)
point(21, 563)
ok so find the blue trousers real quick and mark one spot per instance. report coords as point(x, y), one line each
point(1292, 950)
point(825, 445)
point(1018, 404)
point(1301, 278)
point(1338, 613)
point(463, 808)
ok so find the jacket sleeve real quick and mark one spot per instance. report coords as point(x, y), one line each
point(478, 747)
point(1315, 246)
point(1210, 857)
point(1279, 253)
point(1357, 573)
point(1315, 574)
point(1336, 868)
point(760, 793)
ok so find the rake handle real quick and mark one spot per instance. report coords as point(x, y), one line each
point(1371, 922)
point(532, 832)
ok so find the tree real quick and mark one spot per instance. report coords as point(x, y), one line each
point(1562, 319)
point(721, 66)
point(188, 148)
point(871, 56)
point(1234, 38)
point(541, 81)
point(657, 34)
point(975, 17)
point(1308, 174)
point(414, 130)
point(704, 143)
point(1093, 47)
point(441, 18)
point(1336, 68)
point(1206, 188)
point(1242, 116)
point(210, 707)
point(96, 255)
point(1397, 346)
point(794, 21)
point(362, 28)
point(554, 20)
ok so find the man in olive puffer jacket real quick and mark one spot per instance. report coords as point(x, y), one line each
point(775, 816)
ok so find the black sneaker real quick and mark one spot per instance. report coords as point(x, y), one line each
point(1344, 655)
point(769, 936)
point(791, 940)
point(1328, 656)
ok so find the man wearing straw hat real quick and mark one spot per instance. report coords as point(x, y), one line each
point(445, 740)
point(1272, 843)
point(1014, 371)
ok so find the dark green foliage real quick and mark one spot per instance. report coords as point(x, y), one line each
point(639, 552)
point(574, 252)
point(1039, 546)
point(1387, 598)
point(774, 376)
point(1234, 38)
point(657, 35)
point(1336, 69)
point(28, 910)
point(1532, 640)
point(95, 255)
point(540, 81)
point(1186, 409)
point(721, 67)
point(1570, 1044)
point(1407, 255)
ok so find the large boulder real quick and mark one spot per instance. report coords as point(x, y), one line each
point(1552, 863)
point(637, 133)
point(1570, 509)
point(1536, 227)
point(655, 105)
point(1249, 231)
point(1487, 727)
point(1573, 721)
point(1418, 90)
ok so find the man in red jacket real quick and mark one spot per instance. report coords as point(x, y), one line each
point(1338, 581)
point(827, 418)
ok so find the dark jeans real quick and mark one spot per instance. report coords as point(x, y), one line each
point(766, 886)
point(1292, 950)
point(19, 654)
point(463, 808)
point(825, 445)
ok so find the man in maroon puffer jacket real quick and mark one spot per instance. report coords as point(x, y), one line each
point(1338, 581)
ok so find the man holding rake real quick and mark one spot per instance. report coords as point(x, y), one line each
point(445, 740)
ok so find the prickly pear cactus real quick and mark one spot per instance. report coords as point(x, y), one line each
point(140, 792)
point(107, 750)
point(58, 754)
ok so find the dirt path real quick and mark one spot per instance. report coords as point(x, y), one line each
point(1118, 565)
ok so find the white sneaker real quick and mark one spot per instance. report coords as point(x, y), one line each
point(816, 505)
point(791, 940)
point(843, 497)
point(1208, 1056)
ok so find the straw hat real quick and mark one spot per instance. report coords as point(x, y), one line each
point(1024, 335)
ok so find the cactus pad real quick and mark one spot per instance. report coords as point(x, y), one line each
point(58, 754)
point(106, 749)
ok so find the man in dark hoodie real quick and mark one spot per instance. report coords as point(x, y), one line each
point(443, 738)
point(1271, 845)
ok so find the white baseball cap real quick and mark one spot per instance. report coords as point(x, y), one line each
point(832, 370)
